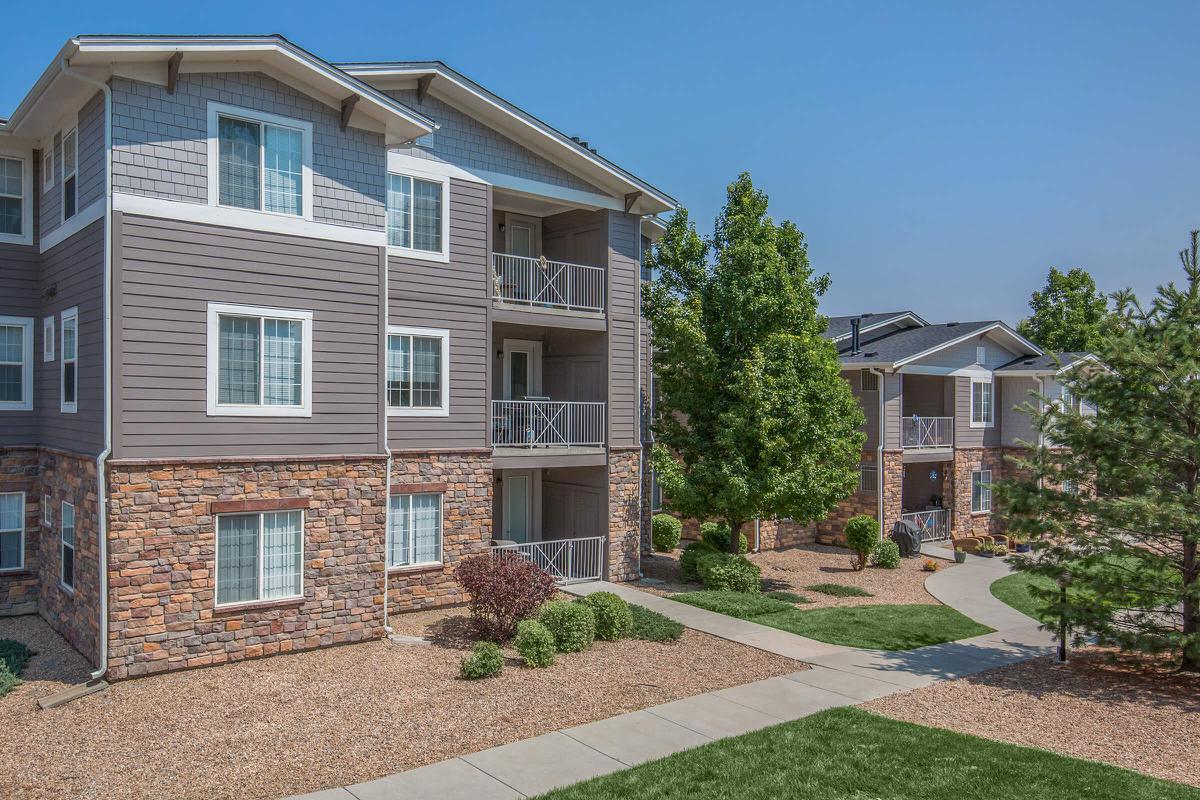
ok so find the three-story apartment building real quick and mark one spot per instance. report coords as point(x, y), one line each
point(281, 341)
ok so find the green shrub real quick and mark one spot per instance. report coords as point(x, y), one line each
point(787, 597)
point(733, 604)
point(613, 619)
point(690, 557)
point(722, 572)
point(886, 555)
point(8, 681)
point(665, 532)
point(653, 626)
point(862, 534)
point(485, 661)
point(535, 643)
point(573, 625)
point(838, 590)
point(717, 535)
point(15, 654)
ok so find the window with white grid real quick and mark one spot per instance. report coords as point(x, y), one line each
point(981, 491)
point(263, 161)
point(259, 361)
point(12, 531)
point(414, 529)
point(16, 363)
point(415, 210)
point(68, 401)
point(70, 184)
point(12, 196)
point(66, 572)
point(260, 556)
point(418, 371)
point(983, 412)
point(48, 168)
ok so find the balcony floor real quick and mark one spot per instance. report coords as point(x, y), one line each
point(534, 457)
point(921, 455)
point(549, 317)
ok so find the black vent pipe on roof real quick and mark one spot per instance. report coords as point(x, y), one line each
point(854, 337)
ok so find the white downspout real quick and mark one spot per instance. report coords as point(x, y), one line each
point(641, 422)
point(101, 489)
point(879, 447)
point(387, 487)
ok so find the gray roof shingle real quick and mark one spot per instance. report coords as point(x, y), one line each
point(840, 326)
point(894, 346)
point(1045, 361)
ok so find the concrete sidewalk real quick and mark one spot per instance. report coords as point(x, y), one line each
point(839, 676)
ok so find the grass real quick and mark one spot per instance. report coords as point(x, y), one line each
point(851, 754)
point(839, 590)
point(652, 626)
point(787, 597)
point(901, 627)
point(1014, 590)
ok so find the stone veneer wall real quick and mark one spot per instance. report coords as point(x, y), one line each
point(777, 534)
point(831, 530)
point(465, 480)
point(624, 515)
point(162, 560)
point(965, 461)
point(19, 470)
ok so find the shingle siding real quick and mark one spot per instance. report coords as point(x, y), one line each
point(160, 143)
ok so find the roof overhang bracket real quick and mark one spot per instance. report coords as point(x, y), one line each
point(173, 70)
point(348, 109)
point(630, 199)
point(423, 83)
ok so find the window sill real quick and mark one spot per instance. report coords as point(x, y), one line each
point(16, 406)
point(980, 513)
point(418, 412)
point(259, 411)
point(419, 255)
point(409, 569)
point(16, 572)
point(254, 605)
point(69, 590)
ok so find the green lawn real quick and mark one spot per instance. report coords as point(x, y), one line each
point(877, 627)
point(839, 590)
point(1014, 590)
point(850, 754)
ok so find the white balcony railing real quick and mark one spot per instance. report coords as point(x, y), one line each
point(933, 524)
point(918, 432)
point(542, 283)
point(567, 560)
point(547, 423)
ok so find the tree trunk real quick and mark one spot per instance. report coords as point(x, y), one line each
point(1191, 611)
point(735, 539)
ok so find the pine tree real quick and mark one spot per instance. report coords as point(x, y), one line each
point(1112, 501)
point(753, 418)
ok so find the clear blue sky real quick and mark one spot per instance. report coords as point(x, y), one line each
point(939, 157)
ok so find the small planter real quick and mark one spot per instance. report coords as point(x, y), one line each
point(960, 556)
point(1024, 547)
point(987, 553)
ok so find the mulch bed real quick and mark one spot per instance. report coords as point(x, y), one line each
point(1118, 713)
point(306, 721)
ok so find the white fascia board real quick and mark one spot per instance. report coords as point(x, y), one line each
point(920, 323)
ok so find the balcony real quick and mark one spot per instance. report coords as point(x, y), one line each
point(545, 424)
point(546, 285)
point(933, 524)
point(567, 560)
point(926, 433)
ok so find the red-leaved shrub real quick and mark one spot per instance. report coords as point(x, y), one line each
point(505, 589)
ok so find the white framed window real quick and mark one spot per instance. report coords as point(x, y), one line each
point(66, 572)
point(259, 361)
point(260, 557)
point(981, 491)
point(70, 167)
point(418, 372)
point(47, 338)
point(868, 478)
point(68, 401)
point(981, 354)
point(414, 529)
point(983, 407)
point(416, 215)
point(16, 363)
point(12, 531)
point(14, 198)
point(868, 381)
point(48, 168)
point(47, 512)
point(259, 161)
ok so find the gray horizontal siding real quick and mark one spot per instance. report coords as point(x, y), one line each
point(624, 283)
point(89, 176)
point(1017, 426)
point(964, 434)
point(169, 272)
point(20, 297)
point(451, 296)
point(160, 143)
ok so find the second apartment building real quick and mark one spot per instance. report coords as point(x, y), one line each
point(284, 338)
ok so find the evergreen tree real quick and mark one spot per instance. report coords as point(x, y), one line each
point(753, 418)
point(1068, 314)
point(1112, 500)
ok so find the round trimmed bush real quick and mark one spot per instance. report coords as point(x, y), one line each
point(862, 534)
point(887, 554)
point(729, 573)
point(689, 559)
point(485, 661)
point(665, 532)
point(535, 643)
point(613, 617)
point(717, 534)
point(573, 625)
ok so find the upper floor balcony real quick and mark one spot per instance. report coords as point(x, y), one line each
point(546, 284)
point(924, 433)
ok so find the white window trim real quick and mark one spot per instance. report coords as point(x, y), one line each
point(62, 544)
point(981, 354)
point(63, 406)
point(988, 482)
point(444, 409)
point(26, 234)
point(21, 562)
point(47, 521)
point(48, 168)
point(988, 423)
point(48, 328)
point(216, 110)
point(260, 600)
point(26, 401)
point(215, 409)
point(62, 194)
point(412, 541)
point(426, 170)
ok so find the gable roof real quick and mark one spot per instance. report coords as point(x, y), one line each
point(839, 327)
point(465, 94)
point(894, 349)
point(145, 58)
point(1046, 363)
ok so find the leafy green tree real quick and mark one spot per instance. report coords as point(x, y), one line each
point(1112, 501)
point(1068, 314)
point(753, 417)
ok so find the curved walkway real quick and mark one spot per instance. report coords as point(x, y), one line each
point(838, 676)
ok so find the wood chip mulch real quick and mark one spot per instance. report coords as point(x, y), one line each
point(1117, 713)
point(307, 721)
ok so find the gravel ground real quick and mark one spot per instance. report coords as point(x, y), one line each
point(793, 569)
point(307, 721)
point(1091, 709)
